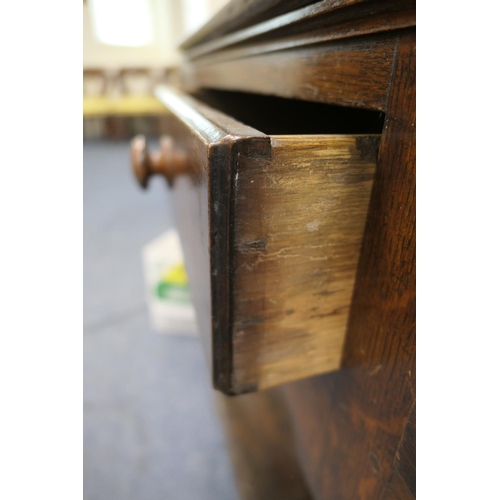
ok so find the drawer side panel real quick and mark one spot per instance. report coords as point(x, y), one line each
point(299, 221)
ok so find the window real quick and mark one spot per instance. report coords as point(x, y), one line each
point(125, 23)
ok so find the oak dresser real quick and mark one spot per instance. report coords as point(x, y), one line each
point(291, 163)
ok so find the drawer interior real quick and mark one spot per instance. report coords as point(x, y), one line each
point(279, 116)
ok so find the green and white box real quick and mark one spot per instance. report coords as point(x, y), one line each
point(167, 291)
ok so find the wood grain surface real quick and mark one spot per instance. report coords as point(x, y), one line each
point(354, 427)
point(320, 22)
point(240, 13)
point(205, 136)
point(349, 424)
point(271, 227)
point(262, 446)
point(298, 222)
point(361, 77)
point(405, 459)
point(263, 16)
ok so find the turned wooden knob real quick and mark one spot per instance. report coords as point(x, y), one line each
point(167, 161)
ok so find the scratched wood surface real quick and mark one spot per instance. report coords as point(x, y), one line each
point(298, 223)
point(361, 77)
point(405, 459)
point(206, 137)
point(271, 228)
point(291, 48)
point(316, 23)
point(349, 424)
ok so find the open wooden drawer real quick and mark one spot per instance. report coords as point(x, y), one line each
point(271, 227)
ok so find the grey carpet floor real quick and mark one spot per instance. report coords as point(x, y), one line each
point(150, 427)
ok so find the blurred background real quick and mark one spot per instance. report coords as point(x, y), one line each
point(128, 47)
point(151, 429)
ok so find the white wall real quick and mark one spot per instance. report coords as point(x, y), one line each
point(161, 52)
point(197, 12)
point(173, 20)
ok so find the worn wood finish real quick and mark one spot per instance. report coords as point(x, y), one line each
point(349, 424)
point(281, 220)
point(298, 221)
point(262, 446)
point(320, 22)
point(361, 77)
point(397, 489)
point(241, 13)
point(354, 427)
point(206, 137)
point(405, 459)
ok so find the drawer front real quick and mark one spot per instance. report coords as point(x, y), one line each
point(271, 228)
